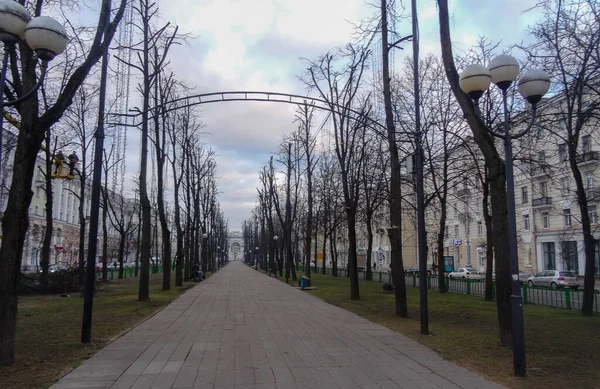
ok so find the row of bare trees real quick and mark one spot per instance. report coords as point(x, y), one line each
point(341, 185)
point(175, 206)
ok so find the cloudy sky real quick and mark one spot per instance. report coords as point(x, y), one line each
point(257, 45)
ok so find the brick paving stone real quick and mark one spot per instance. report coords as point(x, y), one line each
point(243, 330)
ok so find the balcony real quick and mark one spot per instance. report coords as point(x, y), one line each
point(588, 156)
point(542, 202)
point(540, 170)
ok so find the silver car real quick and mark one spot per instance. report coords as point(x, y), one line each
point(466, 273)
point(555, 279)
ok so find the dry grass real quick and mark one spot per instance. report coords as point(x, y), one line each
point(49, 329)
point(563, 348)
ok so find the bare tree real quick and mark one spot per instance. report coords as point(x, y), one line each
point(151, 57)
point(339, 85)
point(31, 134)
point(497, 178)
point(304, 116)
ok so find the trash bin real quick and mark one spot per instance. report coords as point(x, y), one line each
point(304, 282)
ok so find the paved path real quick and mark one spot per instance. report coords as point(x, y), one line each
point(241, 329)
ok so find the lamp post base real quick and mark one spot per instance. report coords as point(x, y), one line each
point(519, 362)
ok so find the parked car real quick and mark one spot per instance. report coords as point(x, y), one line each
point(555, 279)
point(56, 267)
point(523, 277)
point(465, 273)
point(414, 270)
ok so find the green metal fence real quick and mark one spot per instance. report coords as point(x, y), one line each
point(559, 298)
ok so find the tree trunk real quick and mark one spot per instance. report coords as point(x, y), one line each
point(121, 254)
point(497, 180)
point(14, 227)
point(489, 235)
point(333, 251)
point(46, 251)
point(395, 196)
point(105, 201)
point(352, 256)
point(369, 272)
point(589, 243)
point(146, 243)
point(442, 288)
point(316, 240)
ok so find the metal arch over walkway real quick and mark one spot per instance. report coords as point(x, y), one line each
point(261, 96)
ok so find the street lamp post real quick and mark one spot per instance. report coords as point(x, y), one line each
point(533, 85)
point(218, 256)
point(44, 35)
point(273, 260)
point(204, 259)
point(256, 258)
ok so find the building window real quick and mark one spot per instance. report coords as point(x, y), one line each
point(567, 217)
point(565, 185)
point(562, 152)
point(545, 219)
point(593, 214)
point(37, 210)
point(456, 231)
point(544, 189)
point(542, 157)
point(478, 209)
point(549, 256)
point(586, 144)
point(447, 231)
point(455, 212)
point(589, 180)
point(569, 255)
point(479, 228)
point(524, 195)
point(526, 225)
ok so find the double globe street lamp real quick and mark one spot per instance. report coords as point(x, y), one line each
point(533, 85)
point(43, 34)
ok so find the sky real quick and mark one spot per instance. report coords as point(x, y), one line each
point(258, 45)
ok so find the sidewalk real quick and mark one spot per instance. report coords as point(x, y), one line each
point(241, 329)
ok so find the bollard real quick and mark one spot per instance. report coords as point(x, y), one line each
point(468, 286)
point(379, 276)
point(414, 280)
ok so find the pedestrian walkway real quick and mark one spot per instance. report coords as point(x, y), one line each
point(242, 329)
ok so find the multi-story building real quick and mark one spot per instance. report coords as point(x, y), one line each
point(549, 232)
point(64, 245)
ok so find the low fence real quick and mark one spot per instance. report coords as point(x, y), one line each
point(559, 298)
point(69, 280)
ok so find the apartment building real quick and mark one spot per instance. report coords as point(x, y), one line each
point(66, 227)
point(549, 232)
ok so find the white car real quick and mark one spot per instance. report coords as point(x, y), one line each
point(466, 273)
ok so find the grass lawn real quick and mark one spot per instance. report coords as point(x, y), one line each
point(563, 348)
point(49, 328)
